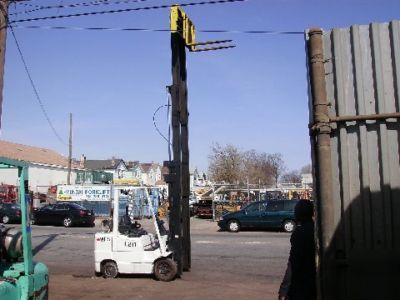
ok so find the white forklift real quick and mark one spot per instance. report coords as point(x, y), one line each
point(123, 247)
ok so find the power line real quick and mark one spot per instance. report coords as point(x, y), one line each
point(61, 4)
point(211, 2)
point(38, 98)
point(271, 32)
point(155, 125)
point(75, 5)
point(23, 3)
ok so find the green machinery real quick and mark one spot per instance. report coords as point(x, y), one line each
point(20, 277)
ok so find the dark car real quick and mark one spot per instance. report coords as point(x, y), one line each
point(10, 212)
point(261, 214)
point(66, 214)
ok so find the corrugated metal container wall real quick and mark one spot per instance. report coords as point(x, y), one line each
point(362, 76)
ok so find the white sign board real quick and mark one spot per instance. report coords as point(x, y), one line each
point(83, 192)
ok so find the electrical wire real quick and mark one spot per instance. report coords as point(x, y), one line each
point(23, 3)
point(75, 5)
point(211, 2)
point(169, 125)
point(268, 32)
point(38, 98)
point(60, 5)
point(155, 125)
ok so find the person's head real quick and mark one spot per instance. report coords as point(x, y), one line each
point(304, 211)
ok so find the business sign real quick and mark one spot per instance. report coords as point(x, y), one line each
point(83, 192)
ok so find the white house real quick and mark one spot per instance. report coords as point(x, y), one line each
point(307, 180)
point(46, 167)
point(134, 171)
point(115, 166)
point(151, 173)
point(198, 179)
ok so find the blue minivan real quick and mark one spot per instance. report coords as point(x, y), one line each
point(278, 214)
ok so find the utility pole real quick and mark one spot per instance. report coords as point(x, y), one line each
point(70, 150)
point(3, 37)
point(178, 179)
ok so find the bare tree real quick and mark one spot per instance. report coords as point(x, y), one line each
point(277, 166)
point(265, 169)
point(225, 164)
point(250, 166)
point(229, 165)
point(291, 177)
point(306, 169)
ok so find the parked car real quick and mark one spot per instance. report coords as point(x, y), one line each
point(10, 213)
point(67, 214)
point(203, 209)
point(261, 214)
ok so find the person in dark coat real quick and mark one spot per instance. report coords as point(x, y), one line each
point(299, 282)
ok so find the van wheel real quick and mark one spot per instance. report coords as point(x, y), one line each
point(165, 269)
point(109, 269)
point(288, 225)
point(233, 226)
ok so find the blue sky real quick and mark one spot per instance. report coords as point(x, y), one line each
point(253, 96)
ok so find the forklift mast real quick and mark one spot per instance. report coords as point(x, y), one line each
point(27, 279)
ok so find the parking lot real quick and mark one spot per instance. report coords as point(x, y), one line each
point(244, 265)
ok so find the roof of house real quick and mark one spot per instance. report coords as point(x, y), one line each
point(146, 167)
point(164, 170)
point(32, 154)
point(133, 164)
point(104, 164)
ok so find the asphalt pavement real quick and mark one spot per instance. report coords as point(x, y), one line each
point(244, 265)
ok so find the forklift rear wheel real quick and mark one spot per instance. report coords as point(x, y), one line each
point(165, 269)
point(109, 270)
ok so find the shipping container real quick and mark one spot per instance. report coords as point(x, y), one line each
point(354, 87)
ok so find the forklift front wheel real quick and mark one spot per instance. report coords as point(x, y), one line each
point(109, 269)
point(165, 269)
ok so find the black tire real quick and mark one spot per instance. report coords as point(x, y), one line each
point(109, 269)
point(288, 225)
point(233, 226)
point(67, 222)
point(165, 269)
point(5, 219)
point(97, 274)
